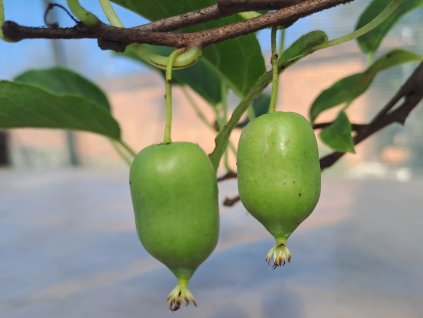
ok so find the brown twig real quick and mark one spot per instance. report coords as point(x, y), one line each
point(354, 127)
point(105, 33)
point(249, 5)
point(411, 93)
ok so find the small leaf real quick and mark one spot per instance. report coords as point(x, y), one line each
point(61, 81)
point(394, 58)
point(343, 91)
point(338, 134)
point(370, 42)
point(349, 88)
point(23, 106)
point(303, 46)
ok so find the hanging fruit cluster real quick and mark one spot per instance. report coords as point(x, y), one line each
point(174, 189)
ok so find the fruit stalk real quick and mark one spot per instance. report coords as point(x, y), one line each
point(167, 139)
point(81, 13)
point(275, 73)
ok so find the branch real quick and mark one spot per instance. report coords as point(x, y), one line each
point(354, 127)
point(143, 34)
point(411, 93)
point(249, 5)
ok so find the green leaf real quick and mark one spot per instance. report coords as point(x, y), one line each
point(338, 134)
point(201, 77)
point(349, 88)
point(370, 42)
point(61, 81)
point(394, 58)
point(303, 46)
point(260, 107)
point(24, 105)
point(239, 61)
point(343, 91)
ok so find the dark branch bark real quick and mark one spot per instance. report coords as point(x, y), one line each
point(143, 34)
point(411, 94)
point(249, 5)
point(184, 20)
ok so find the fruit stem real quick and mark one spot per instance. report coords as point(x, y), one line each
point(275, 74)
point(190, 57)
point(280, 254)
point(282, 42)
point(201, 115)
point(82, 14)
point(110, 13)
point(179, 295)
point(117, 147)
point(168, 125)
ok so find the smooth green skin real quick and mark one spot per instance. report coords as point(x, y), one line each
point(279, 171)
point(174, 194)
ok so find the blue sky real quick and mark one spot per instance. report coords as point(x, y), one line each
point(94, 63)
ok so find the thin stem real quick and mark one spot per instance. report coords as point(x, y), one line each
point(220, 110)
point(81, 13)
point(116, 146)
point(168, 125)
point(189, 57)
point(281, 53)
point(249, 15)
point(110, 13)
point(370, 58)
point(1, 18)
point(127, 148)
point(196, 108)
point(275, 73)
point(282, 42)
point(201, 115)
point(250, 112)
point(224, 92)
point(389, 9)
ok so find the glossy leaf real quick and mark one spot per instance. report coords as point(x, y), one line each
point(24, 106)
point(238, 60)
point(338, 134)
point(61, 81)
point(370, 42)
point(303, 46)
point(349, 88)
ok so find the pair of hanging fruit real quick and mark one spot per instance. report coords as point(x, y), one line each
point(174, 191)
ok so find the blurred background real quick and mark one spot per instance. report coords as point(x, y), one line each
point(136, 94)
point(68, 247)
